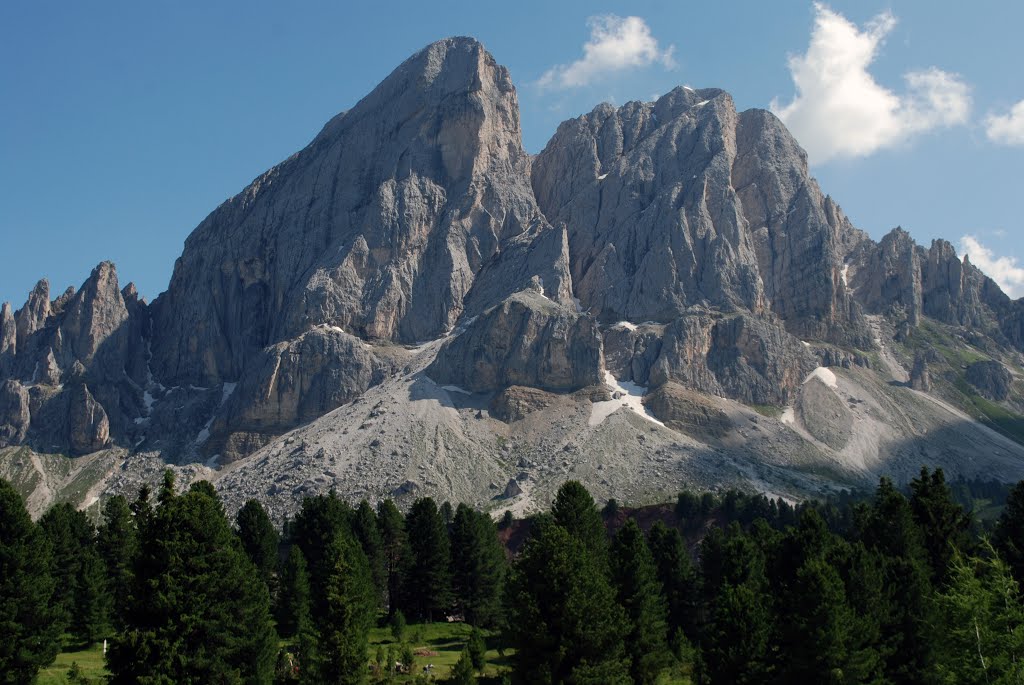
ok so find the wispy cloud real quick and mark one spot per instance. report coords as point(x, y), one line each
point(1003, 270)
point(840, 110)
point(615, 44)
point(1006, 129)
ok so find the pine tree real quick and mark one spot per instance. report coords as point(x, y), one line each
point(737, 642)
point(397, 554)
point(28, 623)
point(462, 671)
point(319, 521)
point(364, 526)
point(1008, 537)
point(639, 593)
point(979, 631)
point(198, 611)
point(259, 538)
point(942, 521)
point(478, 567)
point(678, 578)
point(93, 603)
point(574, 509)
point(293, 610)
point(428, 580)
point(83, 600)
point(477, 648)
point(563, 618)
point(348, 616)
point(117, 544)
point(888, 528)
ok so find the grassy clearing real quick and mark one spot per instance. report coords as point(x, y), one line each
point(90, 660)
point(439, 644)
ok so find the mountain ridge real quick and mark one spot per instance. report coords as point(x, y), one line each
point(676, 252)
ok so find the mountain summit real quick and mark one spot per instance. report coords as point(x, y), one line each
point(412, 303)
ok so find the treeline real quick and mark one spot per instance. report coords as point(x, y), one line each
point(881, 588)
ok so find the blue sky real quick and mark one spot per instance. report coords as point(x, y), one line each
point(122, 124)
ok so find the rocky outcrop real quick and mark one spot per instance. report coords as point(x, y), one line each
point(824, 415)
point(89, 428)
point(741, 357)
point(686, 202)
point(991, 378)
point(527, 340)
point(81, 359)
point(14, 413)
point(920, 377)
point(889, 280)
point(380, 226)
point(515, 402)
point(688, 412)
point(292, 383)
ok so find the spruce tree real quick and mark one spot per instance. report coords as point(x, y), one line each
point(428, 580)
point(678, 578)
point(83, 600)
point(397, 555)
point(888, 528)
point(351, 603)
point(478, 567)
point(942, 521)
point(477, 648)
point(979, 631)
point(462, 671)
point(638, 592)
point(738, 636)
point(563, 618)
point(293, 597)
point(259, 538)
point(319, 521)
point(574, 509)
point(364, 526)
point(1008, 537)
point(198, 612)
point(117, 544)
point(29, 624)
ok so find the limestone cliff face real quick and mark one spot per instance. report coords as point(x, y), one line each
point(685, 202)
point(75, 365)
point(527, 340)
point(291, 383)
point(380, 226)
point(678, 244)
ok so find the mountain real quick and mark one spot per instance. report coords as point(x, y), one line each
point(413, 304)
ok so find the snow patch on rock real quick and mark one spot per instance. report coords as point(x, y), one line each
point(630, 396)
point(824, 375)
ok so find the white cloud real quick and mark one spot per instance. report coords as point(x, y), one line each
point(1006, 129)
point(841, 111)
point(1003, 270)
point(615, 44)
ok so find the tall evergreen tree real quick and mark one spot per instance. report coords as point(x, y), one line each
point(943, 522)
point(678, 577)
point(428, 580)
point(259, 538)
point(638, 592)
point(319, 521)
point(83, 599)
point(117, 544)
point(738, 635)
point(979, 631)
point(1008, 537)
point(364, 526)
point(574, 509)
point(198, 612)
point(888, 528)
point(348, 616)
point(29, 625)
point(563, 618)
point(293, 608)
point(397, 554)
point(478, 567)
